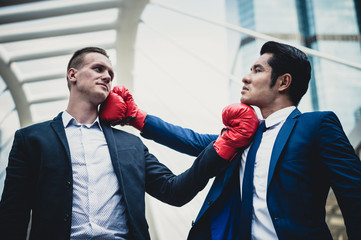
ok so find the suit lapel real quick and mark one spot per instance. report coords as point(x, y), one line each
point(112, 146)
point(58, 127)
point(109, 137)
point(220, 183)
point(281, 141)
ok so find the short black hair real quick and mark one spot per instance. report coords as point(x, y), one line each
point(76, 61)
point(288, 59)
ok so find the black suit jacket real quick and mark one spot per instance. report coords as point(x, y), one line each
point(39, 179)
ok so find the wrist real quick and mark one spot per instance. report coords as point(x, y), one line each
point(224, 151)
point(138, 121)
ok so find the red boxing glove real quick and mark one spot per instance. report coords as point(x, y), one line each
point(113, 110)
point(134, 116)
point(241, 123)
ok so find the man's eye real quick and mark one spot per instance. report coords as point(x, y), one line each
point(256, 70)
point(98, 69)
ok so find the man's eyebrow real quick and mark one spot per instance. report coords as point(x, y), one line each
point(99, 65)
point(257, 66)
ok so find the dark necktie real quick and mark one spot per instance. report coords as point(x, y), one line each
point(247, 186)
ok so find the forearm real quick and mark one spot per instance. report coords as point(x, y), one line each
point(179, 190)
point(180, 139)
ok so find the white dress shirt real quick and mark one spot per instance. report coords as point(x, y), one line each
point(98, 211)
point(262, 225)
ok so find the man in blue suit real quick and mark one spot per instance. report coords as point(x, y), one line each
point(78, 178)
point(286, 182)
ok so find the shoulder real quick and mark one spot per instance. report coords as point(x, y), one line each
point(325, 121)
point(42, 126)
point(318, 114)
point(317, 120)
point(318, 117)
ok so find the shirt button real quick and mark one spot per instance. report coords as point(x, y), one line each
point(192, 223)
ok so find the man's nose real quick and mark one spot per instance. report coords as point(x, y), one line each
point(246, 78)
point(106, 77)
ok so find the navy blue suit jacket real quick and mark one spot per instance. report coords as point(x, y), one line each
point(39, 179)
point(311, 154)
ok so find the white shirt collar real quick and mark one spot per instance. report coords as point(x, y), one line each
point(67, 119)
point(278, 116)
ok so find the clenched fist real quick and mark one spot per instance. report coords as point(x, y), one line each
point(120, 97)
point(241, 123)
point(113, 109)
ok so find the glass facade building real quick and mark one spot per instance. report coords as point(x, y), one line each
point(331, 27)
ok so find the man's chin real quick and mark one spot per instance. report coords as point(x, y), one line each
point(244, 100)
point(101, 97)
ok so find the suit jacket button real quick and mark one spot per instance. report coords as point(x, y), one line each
point(209, 202)
point(66, 217)
point(68, 184)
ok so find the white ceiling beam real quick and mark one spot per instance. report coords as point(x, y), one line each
point(49, 99)
point(50, 31)
point(15, 2)
point(127, 29)
point(45, 9)
point(41, 76)
point(32, 54)
point(10, 73)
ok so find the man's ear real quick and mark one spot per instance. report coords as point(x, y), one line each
point(71, 75)
point(284, 82)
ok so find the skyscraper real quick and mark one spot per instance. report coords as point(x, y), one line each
point(331, 27)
